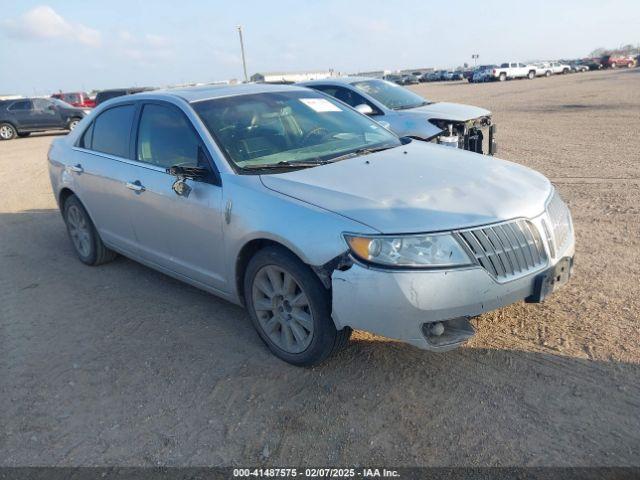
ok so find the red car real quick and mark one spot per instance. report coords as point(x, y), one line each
point(77, 99)
point(616, 61)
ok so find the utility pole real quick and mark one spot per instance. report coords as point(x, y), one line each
point(244, 62)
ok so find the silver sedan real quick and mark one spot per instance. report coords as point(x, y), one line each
point(409, 115)
point(310, 214)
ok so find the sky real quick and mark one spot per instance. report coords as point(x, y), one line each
point(76, 45)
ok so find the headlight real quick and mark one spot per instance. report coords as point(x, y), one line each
point(439, 250)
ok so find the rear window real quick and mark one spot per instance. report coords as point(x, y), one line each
point(111, 131)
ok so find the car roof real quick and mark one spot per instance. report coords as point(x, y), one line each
point(209, 92)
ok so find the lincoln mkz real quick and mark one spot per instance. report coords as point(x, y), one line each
point(310, 214)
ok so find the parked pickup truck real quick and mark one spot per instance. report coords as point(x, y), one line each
point(511, 70)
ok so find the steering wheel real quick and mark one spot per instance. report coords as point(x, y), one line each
point(319, 132)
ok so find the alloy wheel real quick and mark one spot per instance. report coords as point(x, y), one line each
point(283, 309)
point(73, 124)
point(79, 231)
point(6, 132)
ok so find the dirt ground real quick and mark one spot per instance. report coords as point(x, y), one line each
point(122, 365)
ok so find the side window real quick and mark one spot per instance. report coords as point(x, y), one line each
point(21, 105)
point(346, 95)
point(166, 138)
point(111, 131)
point(87, 138)
point(43, 106)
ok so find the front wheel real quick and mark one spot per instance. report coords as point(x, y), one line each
point(502, 77)
point(7, 131)
point(531, 75)
point(73, 123)
point(290, 308)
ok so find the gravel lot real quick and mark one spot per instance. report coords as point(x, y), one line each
point(122, 365)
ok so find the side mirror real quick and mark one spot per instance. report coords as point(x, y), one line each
point(194, 173)
point(51, 107)
point(180, 186)
point(364, 109)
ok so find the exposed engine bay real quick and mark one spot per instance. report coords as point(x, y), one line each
point(477, 135)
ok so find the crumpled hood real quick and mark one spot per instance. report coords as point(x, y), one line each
point(428, 188)
point(457, 112)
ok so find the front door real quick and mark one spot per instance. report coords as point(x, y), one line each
point(181, 233)
point(46, 114)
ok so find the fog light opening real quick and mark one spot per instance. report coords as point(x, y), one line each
point(449, 332)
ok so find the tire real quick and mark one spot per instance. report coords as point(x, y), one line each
point(531, 75)
point(565, 71)
point(24, 134)
point(290, 308)
point(7, 131)
point(614, 65)
point(630, 65)
point(502, 77)
point(73, 123)
point(547, 73)
point(83, 234)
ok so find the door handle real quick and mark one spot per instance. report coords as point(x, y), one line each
point(76, 168)
point(135, 186)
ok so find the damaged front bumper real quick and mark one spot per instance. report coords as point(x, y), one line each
point(406, 305)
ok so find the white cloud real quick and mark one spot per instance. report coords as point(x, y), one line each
point(148, 49)
point(44, 23)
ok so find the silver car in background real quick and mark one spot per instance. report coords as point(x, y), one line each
point(310, 214)
point(409, 115)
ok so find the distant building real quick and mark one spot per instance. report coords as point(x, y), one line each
point(372, 74)
point(10, 97)
point(416, 71)
point(291, 77)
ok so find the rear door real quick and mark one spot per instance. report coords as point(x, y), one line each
point(103, 168)
point(180, 233)
point(22, 114)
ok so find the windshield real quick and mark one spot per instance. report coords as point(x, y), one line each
point(391, 95)
point(285, 128)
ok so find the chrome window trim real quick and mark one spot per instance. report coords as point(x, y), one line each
point(120, 159)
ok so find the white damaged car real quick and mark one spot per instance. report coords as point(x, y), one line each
point(407, 114)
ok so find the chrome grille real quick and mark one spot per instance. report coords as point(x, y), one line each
point(560, 221)
point(506, 250)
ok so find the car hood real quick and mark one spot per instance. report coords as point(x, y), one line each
point(457, 112)
point(419, 187)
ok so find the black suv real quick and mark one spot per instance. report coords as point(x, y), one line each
point(105, 95)
point(26, 115)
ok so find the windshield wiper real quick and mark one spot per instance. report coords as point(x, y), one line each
point(361, 151)
point(407, 107)
point(286, 164)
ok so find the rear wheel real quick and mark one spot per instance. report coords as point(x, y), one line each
point(502, 77)
point(84, 236)
point(7, 131)
point(547, 73)
point(290, 308)
point(630, 65)
point(531, 75)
